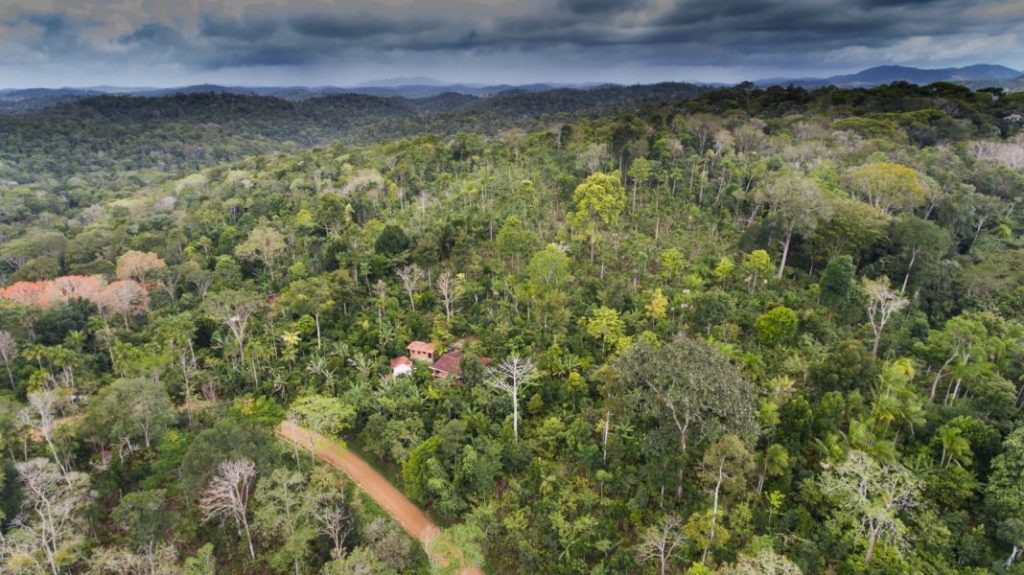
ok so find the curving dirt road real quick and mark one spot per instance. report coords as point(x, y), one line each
point(411, 518)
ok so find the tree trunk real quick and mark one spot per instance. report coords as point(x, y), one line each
point(52, 560)
point(906, 278)
point(977, 230)
point(515, 416)
point(248, 537)
point(657, 218)
point(785, 252)
point(316, 316)
point(10, 375)
point(761, 476)
point(951, 397)
point(938, 377)
point(714, 508)
point(872, 539)
point(604, 437)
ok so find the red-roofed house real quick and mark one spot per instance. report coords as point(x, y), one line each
point(421, 351)
point(448, 365)
point(401, 366)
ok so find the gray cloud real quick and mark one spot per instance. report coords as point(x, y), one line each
point(218, 27)
point(455, 39)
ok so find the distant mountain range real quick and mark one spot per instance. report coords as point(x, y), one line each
point(436, 95)
point(977, 76)
point(23, 100)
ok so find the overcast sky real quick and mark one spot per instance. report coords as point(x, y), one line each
point(55, 43)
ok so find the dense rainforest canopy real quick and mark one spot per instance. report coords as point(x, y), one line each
point(734, 331)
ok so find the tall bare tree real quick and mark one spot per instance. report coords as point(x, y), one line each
point(234, 309)
point(411, 276)
point(882, 302)
point(510, 376)
point(45, 405)
point(662, 542)
point(333, 519)
point(51, 506)
point(227, 496)
point(449, 287)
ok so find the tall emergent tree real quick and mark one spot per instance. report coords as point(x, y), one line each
point(599, 201)
point(882, 302)
point(227, 496)
point(510, 376)
point(798, 203)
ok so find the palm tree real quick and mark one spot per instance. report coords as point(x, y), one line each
point(317, 365)
point(955, 447)
point(363, 365)
point(775, 463)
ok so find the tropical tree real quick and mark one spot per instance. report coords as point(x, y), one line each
point(265, 244)
point(723, 470)
point(882, 303)
point(887, 186)
point(1004, 495)
point(662, 542)
point(599, 201)
point(693, 389)
point(129, 411)
point(314, 296)
point(234, 309)
point(798, 203)
point(764, 562)
point(138, 266)
point(870, 498)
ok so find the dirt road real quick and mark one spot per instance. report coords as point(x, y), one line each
point(410, 517)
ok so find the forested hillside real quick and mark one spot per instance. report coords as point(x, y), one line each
point(744, 332)
point(99, 138)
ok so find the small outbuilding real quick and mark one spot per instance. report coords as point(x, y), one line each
point(401, 366)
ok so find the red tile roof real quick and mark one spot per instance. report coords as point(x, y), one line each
point(448, 364)
point(421, 346)
point(400, 361)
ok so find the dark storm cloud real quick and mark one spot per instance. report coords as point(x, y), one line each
point(152, 34)
point(595, 7)
point(215, 26)
point(57, 34)
point(352, 27)
point(594, 33)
